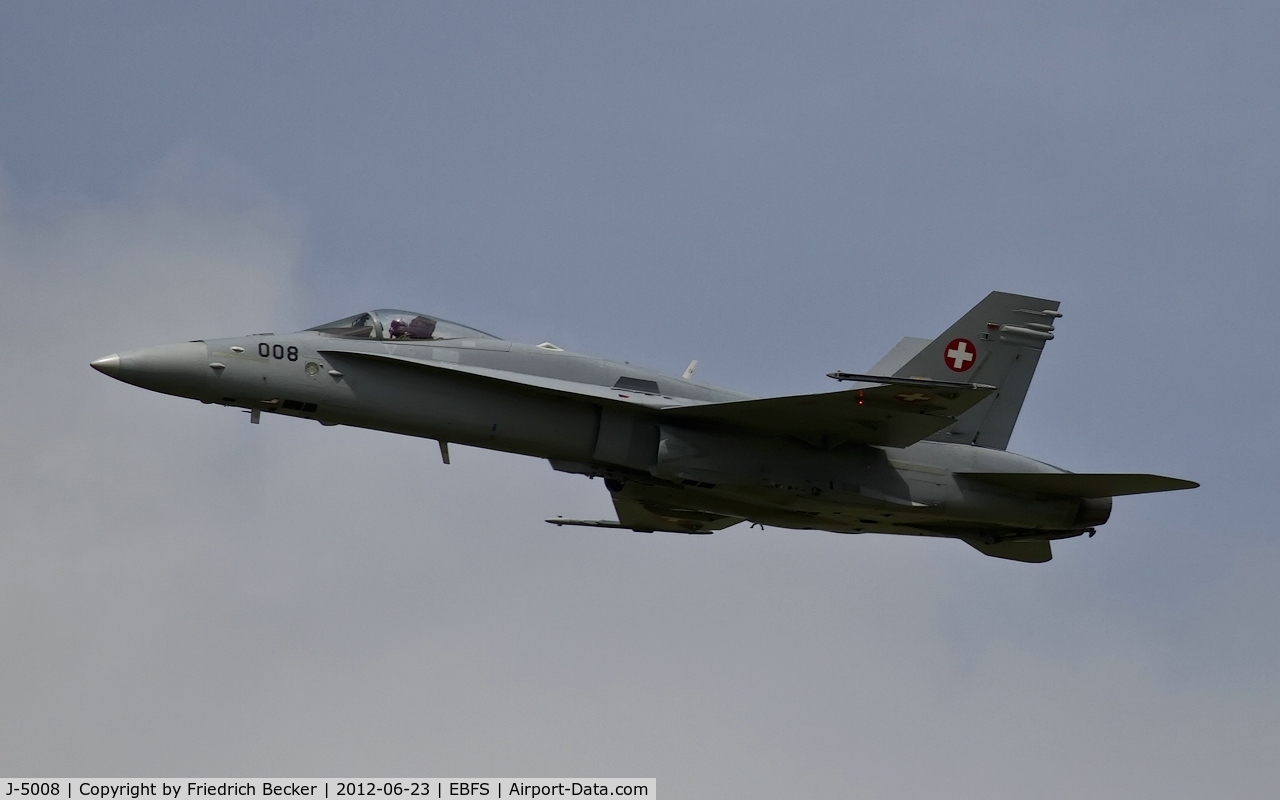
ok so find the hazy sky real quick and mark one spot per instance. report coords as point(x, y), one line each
point(777, 190)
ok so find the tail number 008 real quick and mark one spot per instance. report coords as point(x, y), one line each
point(277, 351)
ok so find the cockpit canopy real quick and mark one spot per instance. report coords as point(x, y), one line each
point(389, 324)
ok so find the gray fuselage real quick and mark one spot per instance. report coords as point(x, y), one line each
point(603, 419)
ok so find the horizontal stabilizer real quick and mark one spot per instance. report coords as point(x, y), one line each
point(895, 414)
point(1036, 551)
point(1070, 484)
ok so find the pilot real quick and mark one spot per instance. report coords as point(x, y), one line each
point(398, 329)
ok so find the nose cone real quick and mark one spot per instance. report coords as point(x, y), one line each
point(181, 369)
point(107, 365)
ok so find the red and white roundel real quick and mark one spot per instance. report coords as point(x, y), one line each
point(959, 355)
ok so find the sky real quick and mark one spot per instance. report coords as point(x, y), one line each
point(777, 190)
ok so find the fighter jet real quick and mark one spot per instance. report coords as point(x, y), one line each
point(914, 446)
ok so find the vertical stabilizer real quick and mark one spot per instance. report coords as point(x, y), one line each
point(998, 343)
point(897, 358)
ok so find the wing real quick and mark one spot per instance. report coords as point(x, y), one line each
point(1071, 484)
point(892, 412)
point(889, 414)
point(647, 517)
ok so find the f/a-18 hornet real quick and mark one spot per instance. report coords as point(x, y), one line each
point(915, 446)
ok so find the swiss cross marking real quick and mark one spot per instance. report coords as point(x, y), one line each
point(959, 355)
point(914, 397)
